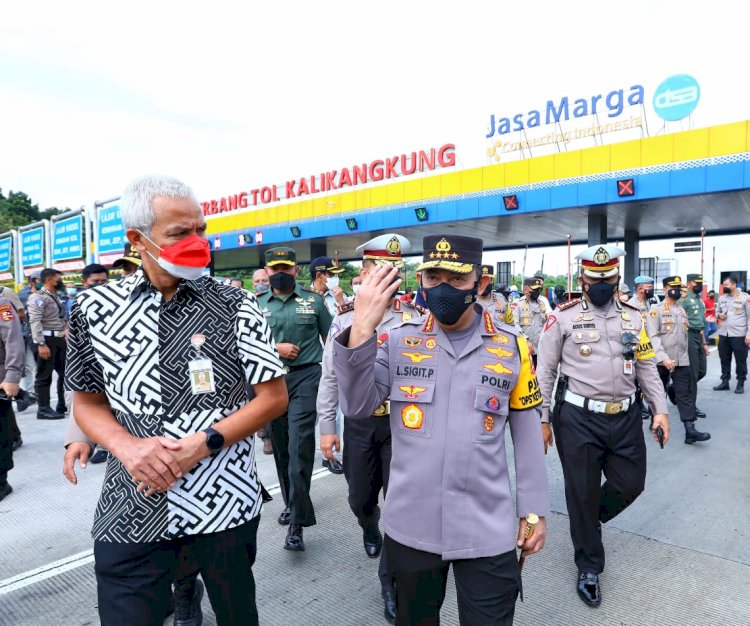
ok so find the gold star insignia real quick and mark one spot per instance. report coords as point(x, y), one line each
point(454, 255)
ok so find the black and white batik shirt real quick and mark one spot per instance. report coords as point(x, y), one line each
point(125, 340)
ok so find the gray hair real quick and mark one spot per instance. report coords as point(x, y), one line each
point(135, 205)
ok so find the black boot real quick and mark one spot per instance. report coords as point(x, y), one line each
point(389, 609)
point(188, 594)
point(740, 387)
point(692, 435)
point(722, 386)
point(5, 488)
point(46, 413)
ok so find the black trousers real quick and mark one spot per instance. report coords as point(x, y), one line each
point(293, 436)
point(486, 588)
point(698, 361)
point(367, 466)
point(6, 451)
point(681, 380)
point(44, 369)
point(729, 346)
point(590, 444)
point(134, 579)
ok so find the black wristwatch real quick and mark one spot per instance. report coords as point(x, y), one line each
point(214, 440)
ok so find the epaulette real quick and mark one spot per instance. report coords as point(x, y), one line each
point(345, 308)
point(568, 304)
point(311, 290)
point(632, 306)
point(420, 309)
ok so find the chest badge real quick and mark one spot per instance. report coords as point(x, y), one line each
point(625, 315)
point(417, 357)
point(498, 368)
point(499, 352)
point(412, 417)
point(411, 392)
point(493, 403)
point(406, 317)
point(382, 338)
point(585, 350)
point(489, 423)
point(669, 326)
point(500, 339)
point(412, 342)
point(430, 344)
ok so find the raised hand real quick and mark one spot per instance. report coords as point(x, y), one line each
point(373, 299)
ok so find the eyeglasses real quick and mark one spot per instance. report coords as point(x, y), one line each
point(629, 343)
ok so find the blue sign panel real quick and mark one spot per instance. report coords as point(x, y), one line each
point(32, 247)
point(111, 237)
point(67, 239)
point(676, 97)
point(6, 253)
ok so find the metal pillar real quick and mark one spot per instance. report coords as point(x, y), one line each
point(318, 248)
point(597, 228)
point(631, 262)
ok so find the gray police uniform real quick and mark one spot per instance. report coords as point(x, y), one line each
point(732, 333)
point(12, 350)
point(47, 321)
point(449, 496)
point(367, 443)
point(597, 422)
point(531, 317)
point(667, 329)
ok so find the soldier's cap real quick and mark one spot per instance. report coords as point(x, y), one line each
point(281, 256)
point(131, 256)
point(643, 280)
point(533, 283)
point(698, 278)
point(324, 264)
point(35, 274)
point(624, 288)
point(454, 253)
point(672, 281)
point(488, 270)
point(601, 261)
point(388, 249)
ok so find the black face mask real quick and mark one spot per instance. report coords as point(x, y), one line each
point(649, 293)
point(726, 291)
point(534, 295)
point(600, 293)
point(59, 285)
point(281, 281)
point(675, 294)
point(447, 303)
point(697, 289)
point(487, 291)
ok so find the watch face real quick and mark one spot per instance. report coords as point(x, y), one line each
point(215, 441)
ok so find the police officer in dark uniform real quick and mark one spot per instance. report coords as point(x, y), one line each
point(600, 347)
point(697, 345)
point(12, 351)
point(299, 320)
point(47, 320)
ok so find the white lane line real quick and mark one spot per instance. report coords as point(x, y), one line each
point(56, 568)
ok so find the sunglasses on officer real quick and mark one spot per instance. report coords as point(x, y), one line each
point(629, 344)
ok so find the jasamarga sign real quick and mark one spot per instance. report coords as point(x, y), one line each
point(562, 110)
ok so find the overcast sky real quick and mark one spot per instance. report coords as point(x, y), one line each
point(230, 96)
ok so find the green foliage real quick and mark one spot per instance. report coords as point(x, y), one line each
point(17, 210)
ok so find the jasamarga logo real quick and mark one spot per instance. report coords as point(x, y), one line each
point(676, 97)
point(613, 103)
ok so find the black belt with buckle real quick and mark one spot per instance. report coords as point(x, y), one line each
point(695, 330)
point(296, 368)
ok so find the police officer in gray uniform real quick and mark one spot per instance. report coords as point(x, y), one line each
point(601, 348)
point(733, 312)
point(12, 351)
point(455, 379)
point(531, 311)
point(367, 453)
point(668, 330)
point(47, 321)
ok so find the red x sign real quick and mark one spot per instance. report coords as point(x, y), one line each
point(625, 187)
point(511, 202)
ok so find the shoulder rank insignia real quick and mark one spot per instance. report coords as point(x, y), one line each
point(344, 308)
point(489, 327)
point(405, 316)
point(568, 304)
point(382, 338)
point(429, 324)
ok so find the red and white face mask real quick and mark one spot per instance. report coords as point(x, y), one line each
point(186, 259)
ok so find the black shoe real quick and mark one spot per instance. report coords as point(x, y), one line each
point(188, 594)
point(373, 540)
point(389, 610)
point(285, 516)
point(99, 456)
point(692, 435)
point(5, 490)
point(293, 539)
point(645, 415)
point(588, 588)
point(16, 443)
point(24, 400)
point(671, 394)
point(722, 386)
point(46, 413)
point(61, 408)
point(699, 413)
point(333, 466)
point(740, 387)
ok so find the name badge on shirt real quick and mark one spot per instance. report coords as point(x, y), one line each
point(201, 373)
point(627, 367)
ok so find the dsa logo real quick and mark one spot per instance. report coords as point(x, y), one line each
point(676, 97)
